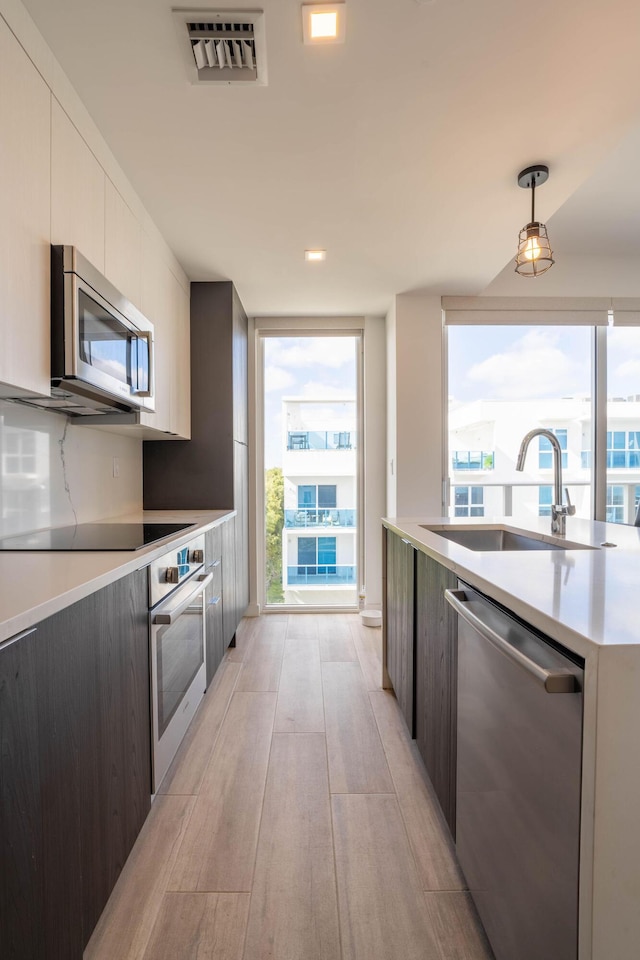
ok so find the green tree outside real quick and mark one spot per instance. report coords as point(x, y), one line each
point(274, 509)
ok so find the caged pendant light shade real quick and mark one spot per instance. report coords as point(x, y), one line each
point(534, 255)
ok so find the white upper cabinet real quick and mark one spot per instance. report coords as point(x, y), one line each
point(25, 212)
point(166, 303)
point(181, 402)
point(123, 246)
point(77, 190)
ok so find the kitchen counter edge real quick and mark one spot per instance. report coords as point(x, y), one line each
point(580, 615)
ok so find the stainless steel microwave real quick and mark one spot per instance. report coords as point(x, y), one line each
point(101, 344)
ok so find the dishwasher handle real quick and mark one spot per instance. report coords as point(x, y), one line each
point(553, 681)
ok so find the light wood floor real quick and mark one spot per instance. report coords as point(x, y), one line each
point(296, 822)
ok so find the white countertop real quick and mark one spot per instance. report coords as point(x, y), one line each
point(35, 585)
point(582, 598)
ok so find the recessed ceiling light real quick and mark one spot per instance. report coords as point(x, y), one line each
point(323, 22)
point(315, 255)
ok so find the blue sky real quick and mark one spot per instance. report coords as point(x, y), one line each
point(323, 367)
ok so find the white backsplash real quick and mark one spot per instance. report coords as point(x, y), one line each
point(54, 472)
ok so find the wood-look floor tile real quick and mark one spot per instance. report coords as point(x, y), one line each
point(199, 926)
point(300, 706)
point(187, 770)
point(368, 645)
point(336, 643)
point(428, 833)
point(457, 927)
point(218, 850)
point(126, 923)
point(383, 915)
point(261, 668)
point(357, 763)
point(294, 911)
point(302, 625)
point(244, 640)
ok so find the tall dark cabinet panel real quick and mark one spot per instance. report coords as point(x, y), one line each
point(210, 471)
point(75, 768)
point(21, 854)
point(436, 680)
point(399, 608)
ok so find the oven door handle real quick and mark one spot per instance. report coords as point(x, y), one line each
point(171, 614)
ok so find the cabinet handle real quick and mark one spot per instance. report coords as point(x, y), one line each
point(18, 636)
point(408, 542)
point(210, 566)
point(214, 601)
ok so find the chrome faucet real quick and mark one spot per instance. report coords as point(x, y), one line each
point(559, 510)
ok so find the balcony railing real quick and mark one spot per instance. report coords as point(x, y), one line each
point(321, 574)
point(321, 440)
point(472, 460)
point(319, 517)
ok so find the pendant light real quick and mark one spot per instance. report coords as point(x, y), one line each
point(534, 251)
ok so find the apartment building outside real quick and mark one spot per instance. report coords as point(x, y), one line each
point(484, 439)
point(319, 467)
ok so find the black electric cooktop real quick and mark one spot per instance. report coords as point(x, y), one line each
point(94, 536)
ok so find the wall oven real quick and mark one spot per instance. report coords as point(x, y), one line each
point(177, 583)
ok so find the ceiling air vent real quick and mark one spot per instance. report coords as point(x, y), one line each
point(223, 46)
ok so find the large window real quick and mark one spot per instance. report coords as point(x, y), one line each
point(545, 499)
point(504, 381)
point(468, 501)
point(310, 399)
point(623, 423)
point(545, 450)
point(322, 495)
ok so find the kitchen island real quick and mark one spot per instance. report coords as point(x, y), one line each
point(584, 599)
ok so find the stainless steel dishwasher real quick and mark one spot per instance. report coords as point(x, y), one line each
point(518, 780)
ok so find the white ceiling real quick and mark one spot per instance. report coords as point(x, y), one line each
point(397, 151)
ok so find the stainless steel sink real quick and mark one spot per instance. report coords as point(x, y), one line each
point(496, 538)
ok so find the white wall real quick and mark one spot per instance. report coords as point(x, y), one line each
point(391, 411)
point(375, 447)
point(415, 383)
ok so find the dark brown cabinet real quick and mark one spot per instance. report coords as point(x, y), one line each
point(399, 606)
point(214, 604)
point(436, 680)
point(211, 471)
point(421, 636)
point(230, 612)
point(75, 767)
point(21, 855)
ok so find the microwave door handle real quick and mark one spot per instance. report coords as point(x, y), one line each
point(148, 338)
point(171, 614)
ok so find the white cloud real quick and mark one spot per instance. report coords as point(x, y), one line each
point(630, 368)
point(315, 388)
point(532, 367)
point(275, 378)
point(311, 351)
